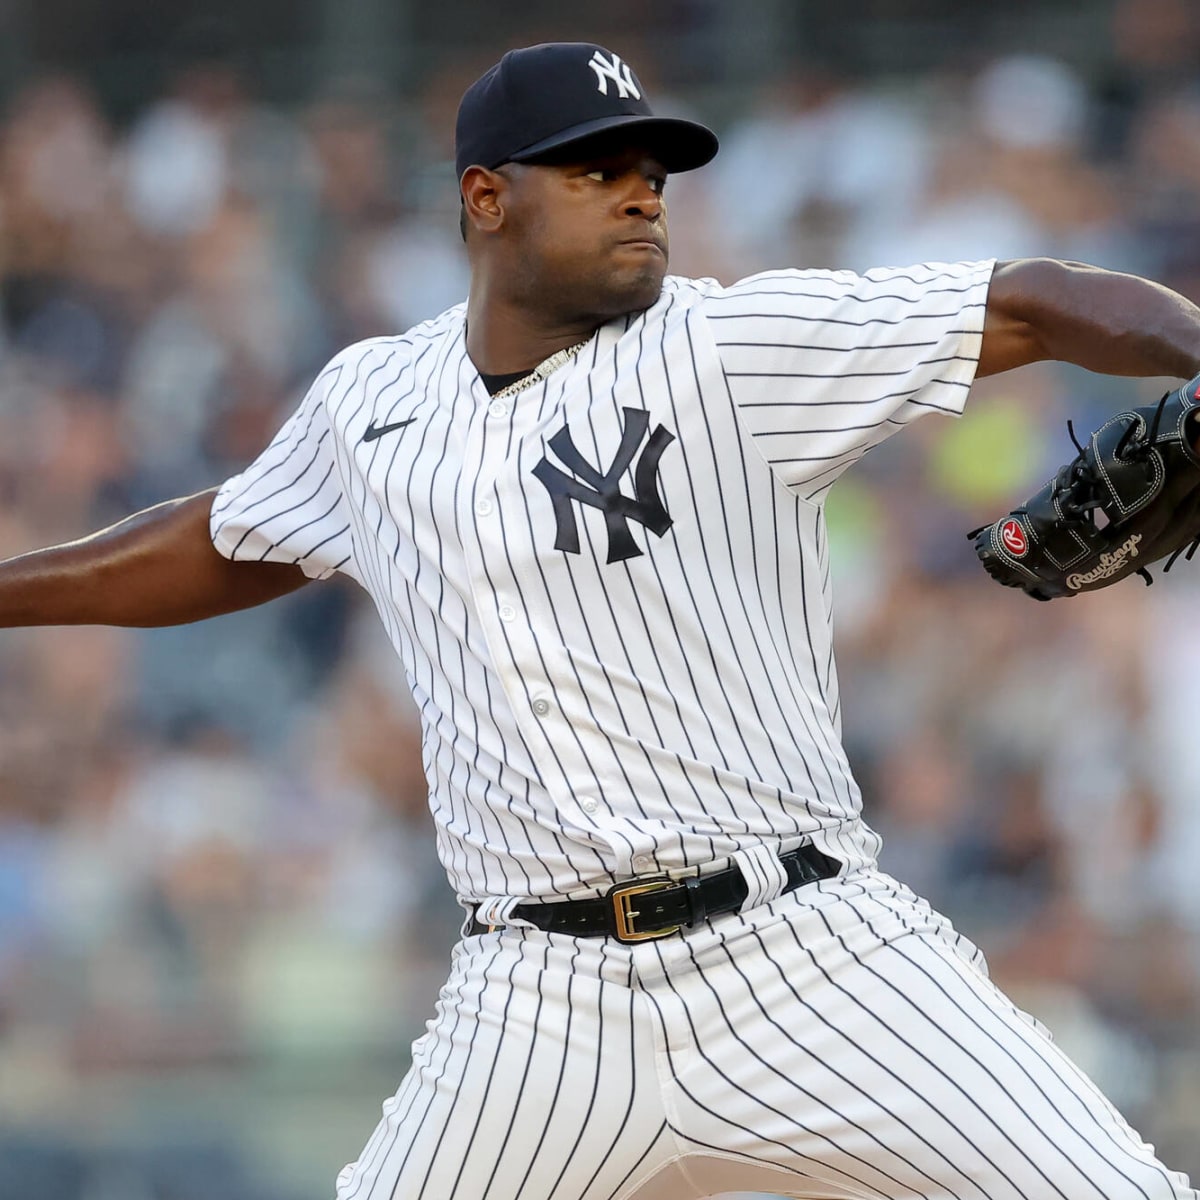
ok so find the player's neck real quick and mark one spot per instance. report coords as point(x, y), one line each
point(503, 340)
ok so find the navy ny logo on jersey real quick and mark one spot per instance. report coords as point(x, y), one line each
point(587, 485)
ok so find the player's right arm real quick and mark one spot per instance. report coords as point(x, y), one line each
point(157, 567)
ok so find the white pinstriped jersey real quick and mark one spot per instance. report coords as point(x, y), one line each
point(611, 590)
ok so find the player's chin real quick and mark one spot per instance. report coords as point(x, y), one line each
point(641, 287)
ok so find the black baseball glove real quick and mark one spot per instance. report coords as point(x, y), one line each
point(1130, 497)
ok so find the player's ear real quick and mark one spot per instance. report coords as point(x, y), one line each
point(483, 196)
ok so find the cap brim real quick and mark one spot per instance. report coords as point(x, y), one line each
point(678, 144)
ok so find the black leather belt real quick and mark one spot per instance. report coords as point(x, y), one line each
point(640, 910)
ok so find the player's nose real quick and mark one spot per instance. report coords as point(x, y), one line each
point(643, 180)
point(644, 200)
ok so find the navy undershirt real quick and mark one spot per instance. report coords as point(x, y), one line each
point(494, 383)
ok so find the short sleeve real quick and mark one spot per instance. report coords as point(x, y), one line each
point(824, 365)
point(289, 505)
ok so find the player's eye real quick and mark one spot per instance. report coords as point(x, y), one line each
point(608, 175)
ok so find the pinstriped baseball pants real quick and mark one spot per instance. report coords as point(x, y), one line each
point(841, 1041)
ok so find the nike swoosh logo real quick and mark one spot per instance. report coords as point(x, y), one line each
point(377, 431)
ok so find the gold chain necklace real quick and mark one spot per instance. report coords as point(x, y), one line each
point(544, 369)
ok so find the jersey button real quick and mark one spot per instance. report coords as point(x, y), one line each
point(507, 612)
point(541, 707)
point(497, 408)
point(483, 507)
point(643, 862)
point(588, 804)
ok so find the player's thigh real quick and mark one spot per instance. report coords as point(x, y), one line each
point(536, 1079)
point(1015, 1109)
point(855, 1043)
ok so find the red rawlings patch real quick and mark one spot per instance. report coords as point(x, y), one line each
point(1013, 537)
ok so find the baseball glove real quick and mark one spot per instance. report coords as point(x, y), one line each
point(1130, 497)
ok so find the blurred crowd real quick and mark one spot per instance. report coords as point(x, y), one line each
point(221, 915)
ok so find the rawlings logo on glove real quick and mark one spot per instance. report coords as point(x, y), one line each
point(1110, 564)
point(1130, 497)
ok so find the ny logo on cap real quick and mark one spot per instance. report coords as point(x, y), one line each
point(618, 72)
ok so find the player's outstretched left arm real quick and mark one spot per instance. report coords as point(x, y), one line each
point(157, 567)
point(1041, 309)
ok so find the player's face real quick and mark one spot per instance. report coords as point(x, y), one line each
point(590, 232)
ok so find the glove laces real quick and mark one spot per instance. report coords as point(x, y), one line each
point(1079, 489)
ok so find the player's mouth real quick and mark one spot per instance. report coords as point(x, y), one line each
point(645, 245)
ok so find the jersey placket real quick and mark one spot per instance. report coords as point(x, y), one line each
point(502, 444)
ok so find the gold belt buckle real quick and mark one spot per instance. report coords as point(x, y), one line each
point(622, 896)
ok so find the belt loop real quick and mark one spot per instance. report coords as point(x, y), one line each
point(766, 877)
point(499, 910)
point(697, 909)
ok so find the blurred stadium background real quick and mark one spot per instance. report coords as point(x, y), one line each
point(221, 920)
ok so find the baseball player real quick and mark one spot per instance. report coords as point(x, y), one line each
point(588, 505)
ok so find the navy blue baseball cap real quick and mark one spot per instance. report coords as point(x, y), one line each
point(536, 100)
